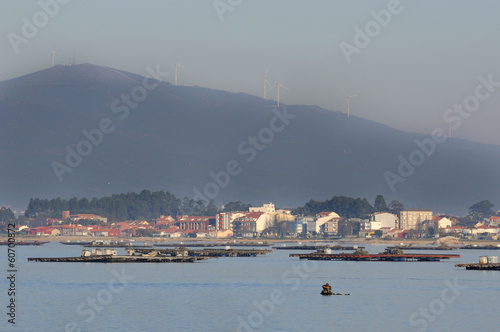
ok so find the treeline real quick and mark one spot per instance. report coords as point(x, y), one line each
point(145, 205)
point(148, 205)
point(348, 207)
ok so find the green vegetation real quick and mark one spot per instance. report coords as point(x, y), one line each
point(146, 205)
point(481, 210)
point(346, 207)
point(380, 205)
point(236, 206)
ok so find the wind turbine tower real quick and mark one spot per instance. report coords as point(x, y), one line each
point(449, 128)
point(279, 85)
point(53, 54)
point(176, 66)
point(347, 101)
point(266, 83)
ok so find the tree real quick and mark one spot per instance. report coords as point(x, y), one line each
point(6, 216)
point(395, 207)
point(346, 207)
point(211, 209)
point(481, 210)
point(236, 206)
point(380, 205)
point(378, 233)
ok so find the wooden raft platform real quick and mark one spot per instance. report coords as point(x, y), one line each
point(207, 252)
point(376, 257)
point(119, 259)
point(486, 247)
point(304, 247)
point(423, 247)
point(23, 243)
point(214, 244)
point(480, 266)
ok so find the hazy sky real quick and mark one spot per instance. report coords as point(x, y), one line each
point(406, 69)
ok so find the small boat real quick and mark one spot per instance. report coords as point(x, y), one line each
point(330, 293)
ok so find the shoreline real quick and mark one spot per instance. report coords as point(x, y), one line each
point(256, 240)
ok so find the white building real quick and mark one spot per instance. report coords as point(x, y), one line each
point(442, 222)
point(385, 219)
point(266, 208)
point(308, 223)
point(323, 217)
point(225, 220)
point(412, 218)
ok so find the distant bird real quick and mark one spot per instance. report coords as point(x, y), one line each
point(347, 101)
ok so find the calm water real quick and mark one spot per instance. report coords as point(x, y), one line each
point(270, 293)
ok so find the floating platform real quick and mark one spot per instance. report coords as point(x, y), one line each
point(23, 243)
point(215, 244)
point(480, 266)
point(322, 247)
point(410, 247)
point(206, 252)
point(486, 247)
point(119, 259)
point(76, 243)
point(376, 257)
point(115, 245)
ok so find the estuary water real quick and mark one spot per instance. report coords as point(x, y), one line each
point(268, 293)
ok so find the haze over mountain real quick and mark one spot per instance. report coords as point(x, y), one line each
point(172, 137)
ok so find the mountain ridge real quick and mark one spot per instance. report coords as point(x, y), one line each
point(177, 135)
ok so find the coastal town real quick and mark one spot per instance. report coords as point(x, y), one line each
point(266, 221)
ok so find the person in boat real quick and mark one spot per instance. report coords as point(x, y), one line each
point(327, 289)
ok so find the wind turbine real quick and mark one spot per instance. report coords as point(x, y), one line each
point(176, 66)
point(279, 85)
point(449, 128)
point(347, 100)
point(266, 83)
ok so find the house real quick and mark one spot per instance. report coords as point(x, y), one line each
point(21, 228)
point(73, 230)
point(486, 230)
point(265, 208)
point(44, 231)
point(308, 224)
point(199, 223)
point(261, 220)
point(323, 217)
point(164, 219)
point(331, 226)
point(297, 227)
point(225, 220)
point(442, 222)
point(393, 233)
point(85, 216)
point(494, 220)
point(383, 219)
point(113, 232)
point(455, 230)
